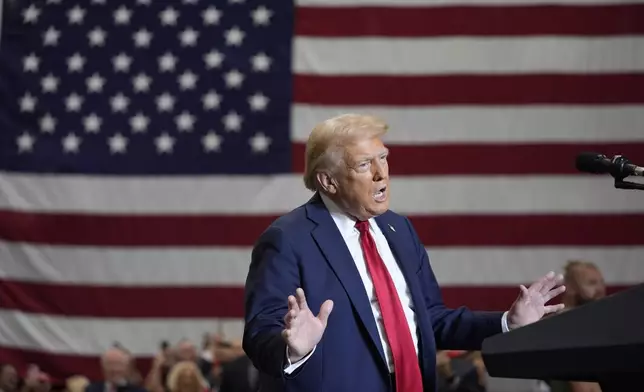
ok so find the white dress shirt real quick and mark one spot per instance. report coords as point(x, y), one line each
point(351, 236)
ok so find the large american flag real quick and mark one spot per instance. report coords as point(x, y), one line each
point(145, 144)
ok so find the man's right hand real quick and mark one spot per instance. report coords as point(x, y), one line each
point(303, 329)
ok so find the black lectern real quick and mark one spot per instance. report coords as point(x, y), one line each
point(602, 341)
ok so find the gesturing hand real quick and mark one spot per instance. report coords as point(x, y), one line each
point(530, 306)
point(303, 329)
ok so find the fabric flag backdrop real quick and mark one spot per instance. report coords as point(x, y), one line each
point(145, 145)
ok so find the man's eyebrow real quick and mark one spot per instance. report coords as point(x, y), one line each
point(366, 157)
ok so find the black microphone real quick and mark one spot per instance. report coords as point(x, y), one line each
point(619, 166)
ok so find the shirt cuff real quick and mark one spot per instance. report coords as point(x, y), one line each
point(291, 367)
point(504, 322)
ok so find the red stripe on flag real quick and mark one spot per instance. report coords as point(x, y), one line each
point(490, 159)
point(591, 20)
point(121, 302)
point(209, 230)
point(519, 89)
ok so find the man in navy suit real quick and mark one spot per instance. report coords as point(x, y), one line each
point(381, 317)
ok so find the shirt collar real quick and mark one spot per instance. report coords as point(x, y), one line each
point(346, 224)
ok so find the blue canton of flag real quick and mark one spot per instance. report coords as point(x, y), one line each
point(146, 87)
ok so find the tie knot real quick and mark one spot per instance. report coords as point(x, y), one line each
point(362, 226)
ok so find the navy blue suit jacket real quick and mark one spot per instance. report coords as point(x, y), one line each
point(304, 248)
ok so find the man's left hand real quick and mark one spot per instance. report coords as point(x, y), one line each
point(531, 306)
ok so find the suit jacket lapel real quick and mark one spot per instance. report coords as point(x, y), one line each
point(401, 254)
point(332, 245)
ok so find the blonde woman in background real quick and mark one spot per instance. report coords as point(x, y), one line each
point(185, 376)
point(76, 383)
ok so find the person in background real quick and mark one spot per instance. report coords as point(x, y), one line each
point(35, 380)
point(133, 375)
point(459, 371)
point(585, 284)
point(76, 383)
point(8, 378)
point(115, 363)
point(239, 375)
point(162, 363)
point(185, 376)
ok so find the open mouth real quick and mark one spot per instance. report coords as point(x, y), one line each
point(381, 194)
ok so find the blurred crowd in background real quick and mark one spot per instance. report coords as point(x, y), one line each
point(220, 365)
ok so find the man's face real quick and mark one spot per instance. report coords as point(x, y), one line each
point(8, 378)
point(115, 369)
point(363, 179)
point(588, 285)
point(186, 351)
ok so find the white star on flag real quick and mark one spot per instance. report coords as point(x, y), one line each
point(139, 123)
point(31, 63)
point(73, 102)
point(169, 16)
point(232, 122)
point(122, 16)
point(165, 143)
point(261, 62)
point(75, 63)
point(234, 36)
point(234, 79)
point(118, 144)
point(211, 142)
point(261, 16)
point(31, 14)
point(71, 143)
point(259, 142)
point(92, 123)
point(28, 103)
point(211, 100)
point(211, 16)
point(25, 142)
point(51, 36)
point(185, 122)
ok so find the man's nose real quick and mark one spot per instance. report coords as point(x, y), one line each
point(379, 171)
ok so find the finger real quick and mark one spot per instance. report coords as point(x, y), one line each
point(289, 318)
point(538, 285)
point(553, 293)
point(286, 334)
point(552, 281)
point(301, 299)
point(553, 308)
point(524, 291)
point(292, 304)
point(325, 311)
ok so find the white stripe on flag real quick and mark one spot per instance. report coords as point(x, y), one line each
point(214, 266)
point(411, 195)
point(471, 125)
point(91, 336)
point(390, 56)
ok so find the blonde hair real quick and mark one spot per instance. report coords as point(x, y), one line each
point(76, 383)
point(178, 368)
point(325, 144)
point(572, 265)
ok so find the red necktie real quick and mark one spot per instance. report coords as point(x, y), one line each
point(406, 369)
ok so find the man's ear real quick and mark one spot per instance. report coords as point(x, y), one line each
point(328, 183)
